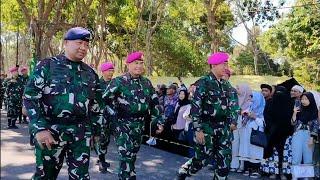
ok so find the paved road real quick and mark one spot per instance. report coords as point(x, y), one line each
point(17, 160)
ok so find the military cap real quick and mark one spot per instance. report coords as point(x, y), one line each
point(218, 58)
point(23, 69)
point(134, 57)
point(13, 69)
point(106, 66)
point(78, 33)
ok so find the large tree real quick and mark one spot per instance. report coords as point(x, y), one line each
point(257, 13)
point(296, 39)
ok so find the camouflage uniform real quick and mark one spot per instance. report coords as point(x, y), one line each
point(14, 91)
point(214, 108)
point(102, 145)
point(2, 92)
point(132, 99)
point(23, 81)
point(5, 84)
point(61, 97)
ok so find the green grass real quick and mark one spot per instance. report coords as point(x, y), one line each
point(253, 81)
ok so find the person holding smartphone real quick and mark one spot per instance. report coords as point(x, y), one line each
point(302, 142)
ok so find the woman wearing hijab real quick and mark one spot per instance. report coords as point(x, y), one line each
point(244, 92)
point(252, 155)
point(316, 134)
point(278, 129)
point(182, 105)
point(302, 118)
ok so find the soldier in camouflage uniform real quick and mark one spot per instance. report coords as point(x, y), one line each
point(23, 79)
point(132, 98)
point(5, 99)
point(14, 92)
point(102, 143)
point(2, 90)
point(60, 99)
point(214, 108)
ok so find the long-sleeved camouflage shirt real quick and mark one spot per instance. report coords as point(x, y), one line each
point(60, 91)
point(129, 96)
point(14, 91)
point(214, 101)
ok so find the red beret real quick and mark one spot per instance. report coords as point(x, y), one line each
point(13, 69)
point(134, 56)
point(218, 58)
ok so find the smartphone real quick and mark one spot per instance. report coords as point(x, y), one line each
point(297, 103)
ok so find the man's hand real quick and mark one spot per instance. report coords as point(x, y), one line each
point(160, 129)
point(45, 138)
point(233, 127)
point(200, 137)
point(96, 138)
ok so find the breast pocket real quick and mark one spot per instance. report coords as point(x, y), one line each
point(57, 98)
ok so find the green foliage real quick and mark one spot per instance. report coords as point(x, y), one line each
point(11, 16)
point(243, 64)
point(296, 39)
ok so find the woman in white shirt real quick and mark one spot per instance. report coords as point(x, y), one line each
point(182, 105)
point(253, 119)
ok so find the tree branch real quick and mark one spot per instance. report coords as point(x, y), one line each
point(26, 12)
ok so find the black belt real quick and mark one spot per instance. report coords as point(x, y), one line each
point(68, 120)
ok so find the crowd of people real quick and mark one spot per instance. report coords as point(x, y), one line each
point(210, 121)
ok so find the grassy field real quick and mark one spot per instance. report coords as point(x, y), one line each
point(253, 81)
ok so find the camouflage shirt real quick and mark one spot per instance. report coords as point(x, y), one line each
point(2, 88)
point(23, 79)
point(14, 91)
point(60, 90)
point(129, 96)
point(214, 101)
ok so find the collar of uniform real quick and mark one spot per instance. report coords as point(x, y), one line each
point(129, 77)
point(212, 76)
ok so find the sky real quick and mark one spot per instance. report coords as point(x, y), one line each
point(240, 34)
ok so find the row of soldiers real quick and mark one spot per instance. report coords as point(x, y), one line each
point(11, 93)
point(68, 106)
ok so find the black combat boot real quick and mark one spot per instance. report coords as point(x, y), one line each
point(14, 124)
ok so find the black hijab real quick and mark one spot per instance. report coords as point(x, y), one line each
point(186, 100)
point(183, 102)
point(310, 112)
point(281, 110)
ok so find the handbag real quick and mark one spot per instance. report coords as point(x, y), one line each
point(302, 171)
point(258, 138)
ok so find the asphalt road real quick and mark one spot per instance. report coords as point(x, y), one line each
point(18, 161)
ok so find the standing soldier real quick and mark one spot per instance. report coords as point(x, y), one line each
point(2, 89)
point(60, 99)
point(14, 91)
point(213, 109)
point(132, 98)
point(23, 79)
point(4, 85)
point(102, 143)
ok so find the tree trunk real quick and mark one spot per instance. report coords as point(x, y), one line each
point(151, 28)
point(212, 6)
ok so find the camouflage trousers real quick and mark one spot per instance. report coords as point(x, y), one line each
point(101, 146)
point(14, 110)
point(217, 148)
point(128, 137)
point(76, 150)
